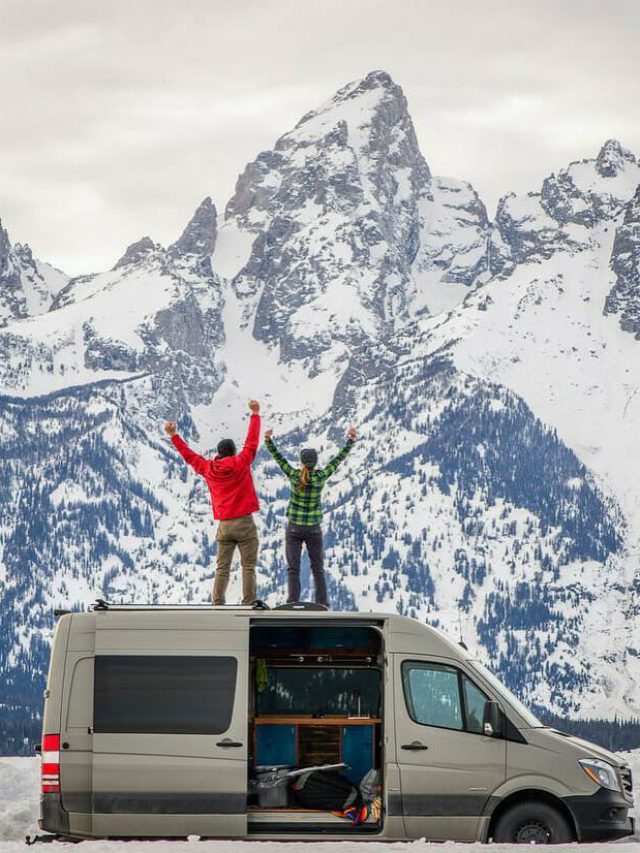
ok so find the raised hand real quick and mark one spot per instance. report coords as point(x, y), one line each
point(254, 405)
point(267, 434)
point(170, 428)
point(352, 433)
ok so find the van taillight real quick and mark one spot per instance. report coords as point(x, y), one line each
point(50, 764)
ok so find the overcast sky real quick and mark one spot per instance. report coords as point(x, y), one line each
point(118, 116)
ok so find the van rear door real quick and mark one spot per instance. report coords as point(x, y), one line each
point(448, 767)
point(170, 725)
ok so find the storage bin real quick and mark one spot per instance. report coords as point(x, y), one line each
point(272, 786)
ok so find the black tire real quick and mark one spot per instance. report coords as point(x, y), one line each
point(532, 822)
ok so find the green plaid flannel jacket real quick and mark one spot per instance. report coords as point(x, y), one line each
point(305, 506)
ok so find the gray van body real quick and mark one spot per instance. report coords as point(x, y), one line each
point(438, 783)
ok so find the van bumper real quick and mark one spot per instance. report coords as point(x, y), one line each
point(53, 816)
point(603, 816)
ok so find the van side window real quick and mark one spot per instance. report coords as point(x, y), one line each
point(442, 696)
point(79, 704)
point(432, 694)
point(168, 694)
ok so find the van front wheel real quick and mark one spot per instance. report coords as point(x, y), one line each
point(532, 822)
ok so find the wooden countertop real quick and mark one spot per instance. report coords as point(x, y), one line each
point(318, 721)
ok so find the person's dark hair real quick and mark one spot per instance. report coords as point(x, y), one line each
point(226, 447)
point(309, 459)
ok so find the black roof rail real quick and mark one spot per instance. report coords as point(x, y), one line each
point(100, 604)
point(302, 605)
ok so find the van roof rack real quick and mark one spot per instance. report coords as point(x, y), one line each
point(100, 604)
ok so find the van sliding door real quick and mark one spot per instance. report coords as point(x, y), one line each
point(170, 732)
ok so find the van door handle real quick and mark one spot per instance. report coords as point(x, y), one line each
point(416, 745)
point(228, 742)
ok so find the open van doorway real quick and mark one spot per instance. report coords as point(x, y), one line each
point(315, 701)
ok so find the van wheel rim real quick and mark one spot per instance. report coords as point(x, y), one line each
point(533, 832)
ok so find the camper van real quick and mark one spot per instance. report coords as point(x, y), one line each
point(177, 721)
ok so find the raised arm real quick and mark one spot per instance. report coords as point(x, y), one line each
point(251, 442)
point(340, 456)
point(289, 470)
point(197, 462)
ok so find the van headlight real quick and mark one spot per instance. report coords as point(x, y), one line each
point(601, 773)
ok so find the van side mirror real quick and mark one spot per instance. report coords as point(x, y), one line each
point(492, 719)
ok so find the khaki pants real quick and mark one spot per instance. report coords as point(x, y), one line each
point(240, 532)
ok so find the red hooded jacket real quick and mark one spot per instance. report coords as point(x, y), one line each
point(229, 479)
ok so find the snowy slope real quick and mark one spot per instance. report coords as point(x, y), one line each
point(492, 369)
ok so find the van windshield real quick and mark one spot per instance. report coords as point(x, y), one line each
point(530, 719)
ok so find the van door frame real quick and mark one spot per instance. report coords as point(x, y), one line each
point(378, 625)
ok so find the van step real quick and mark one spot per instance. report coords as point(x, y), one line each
point(305, 816)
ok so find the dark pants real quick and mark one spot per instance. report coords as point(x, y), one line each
point(310, 535)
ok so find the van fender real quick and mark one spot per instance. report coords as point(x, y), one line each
point(528, 782)
point(549, 789)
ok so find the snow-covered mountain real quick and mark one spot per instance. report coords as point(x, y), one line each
point(492, 368)
point(338, 235)
point(27, 286)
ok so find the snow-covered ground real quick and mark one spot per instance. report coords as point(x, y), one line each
point(19, 784)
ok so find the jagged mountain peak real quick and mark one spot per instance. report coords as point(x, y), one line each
point(322, 233)
point(375, 87)
point(590, 191)
point(5, 244)
point(199, 236)
point(24, 250)
point(377, 79)
point(136, 252)
point(612, 158)
point(361, 115)
point(27, 286)
point(562, 214)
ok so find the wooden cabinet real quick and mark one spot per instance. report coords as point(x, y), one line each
point(307, 741)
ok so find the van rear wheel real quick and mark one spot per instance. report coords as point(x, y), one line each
point(532, 822)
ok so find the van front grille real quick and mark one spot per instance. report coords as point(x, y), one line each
point(627, 781)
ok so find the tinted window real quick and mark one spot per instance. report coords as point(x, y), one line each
point(474, 700)
point(163, 694)
point(432, 694)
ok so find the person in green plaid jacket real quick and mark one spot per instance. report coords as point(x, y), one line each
point(304, 513)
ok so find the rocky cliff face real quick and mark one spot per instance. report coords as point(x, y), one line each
point(494, 488)
point(624, 298)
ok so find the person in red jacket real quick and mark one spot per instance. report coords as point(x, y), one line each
point(233, 498)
